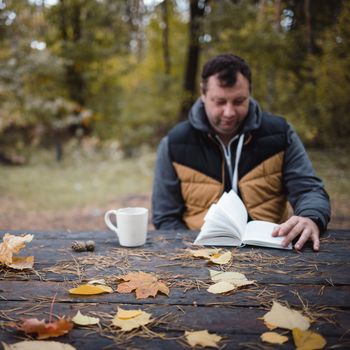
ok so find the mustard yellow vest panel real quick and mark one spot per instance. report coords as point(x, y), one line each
point(199, 191)
point(262, 192)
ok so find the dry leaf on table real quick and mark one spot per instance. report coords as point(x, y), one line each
point(42, 329)
point(202, 338)
point(37, 345)
point(128, 320)
point(12, 245)
point(144, 284)
point(90, 289)
point(235, 278)
point(283, 317)
point(221, 258)
point(308, 340)
point(83, 320)
point(221, 287)
point(273, 338)
point(204, 253)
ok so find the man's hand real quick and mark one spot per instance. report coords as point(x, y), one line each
point(298, 226)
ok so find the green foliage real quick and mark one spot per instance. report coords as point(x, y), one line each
point(124, 63)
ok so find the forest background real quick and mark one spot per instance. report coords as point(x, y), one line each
point(89, 87)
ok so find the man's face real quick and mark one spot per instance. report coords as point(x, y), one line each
point(226, 107)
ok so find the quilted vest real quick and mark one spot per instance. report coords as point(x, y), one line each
point(200, 166)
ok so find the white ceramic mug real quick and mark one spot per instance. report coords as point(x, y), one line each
point(131, 225)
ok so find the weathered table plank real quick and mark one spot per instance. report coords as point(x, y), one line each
point(318, 281)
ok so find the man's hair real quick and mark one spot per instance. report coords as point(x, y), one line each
point(226, 67)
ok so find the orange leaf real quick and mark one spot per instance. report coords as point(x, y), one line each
point(45, 330)
point(144, 284)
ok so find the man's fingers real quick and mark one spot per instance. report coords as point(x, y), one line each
point(305, 236)
point(316, 239)
point(286, 227)
point(292, 234)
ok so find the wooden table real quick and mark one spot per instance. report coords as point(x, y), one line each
point(318, 282)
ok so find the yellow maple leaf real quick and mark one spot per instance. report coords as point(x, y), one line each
point(221, 287)
point(83, 320)
point(89, 289)
point(37, 345)
point(308, 340)
point(273, 338)
point(235, 278)
point(12, 245)
point(221, 258)
point(144, 284)
point(283, 317)
point(202, 338)
point(136, 319)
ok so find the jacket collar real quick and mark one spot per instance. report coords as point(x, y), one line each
point(199, 120)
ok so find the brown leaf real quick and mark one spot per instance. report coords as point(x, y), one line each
point(11, 245)
point(44, 330)
point(144, 284)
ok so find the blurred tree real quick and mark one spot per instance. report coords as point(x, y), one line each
point(190, 86)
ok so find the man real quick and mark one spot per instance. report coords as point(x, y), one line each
point(229, 143)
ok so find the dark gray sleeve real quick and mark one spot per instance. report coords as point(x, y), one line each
point(305, 191)
point(167, 201)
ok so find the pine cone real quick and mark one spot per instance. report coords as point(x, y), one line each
point(79, 246)
point(90, 246)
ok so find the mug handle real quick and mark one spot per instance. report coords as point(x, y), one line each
point(108, 220)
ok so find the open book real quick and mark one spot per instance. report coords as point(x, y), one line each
point(225, 224)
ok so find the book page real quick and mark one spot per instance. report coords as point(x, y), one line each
point(259, 233)
point(234, 209)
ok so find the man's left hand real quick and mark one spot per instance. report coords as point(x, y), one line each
point(298, 226)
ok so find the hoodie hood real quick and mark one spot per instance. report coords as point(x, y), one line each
point(199, 120)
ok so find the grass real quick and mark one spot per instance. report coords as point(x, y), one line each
point(45, 184)
point(85, 180)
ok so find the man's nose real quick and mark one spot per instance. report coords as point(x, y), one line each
point(229, 110)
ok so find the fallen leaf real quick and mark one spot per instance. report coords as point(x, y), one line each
point(308, 340)
point(283, 317)
point(144, 284)
point(204, 253)
point(89, 289)
point(37, 345)
point(100, 281)
point(44, 330)
point(12, 245)
point(83, 320)
point(127, 314)
point(221, 287)
point(21, 263)
point(235, 278)
point(136, 319)
point(221, 258)
point(202, 338)
point(273, 338)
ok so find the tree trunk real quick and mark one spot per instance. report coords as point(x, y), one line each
point(309, 34)
point(165, 34)
point(74, 78)
point(197, 11)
